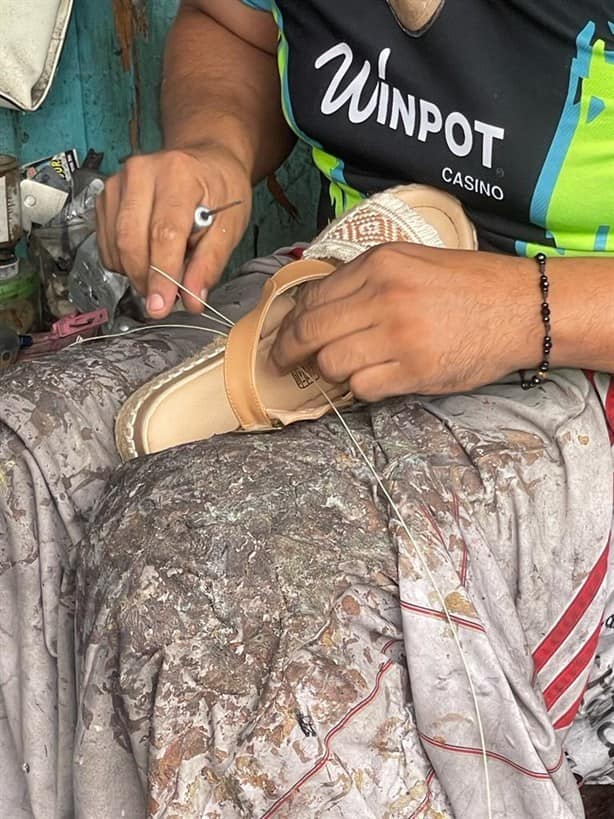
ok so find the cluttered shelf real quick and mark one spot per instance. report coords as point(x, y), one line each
point(52, 288)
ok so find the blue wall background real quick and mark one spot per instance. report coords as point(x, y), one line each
point(105, 96)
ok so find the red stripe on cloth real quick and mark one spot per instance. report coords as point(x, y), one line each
point(461, 749)
point(607, 401)
point(463, 569)
point(573, 613)
point(568, 717)
point(433, 521)
point(390, 643)
point(465, 556)
point(328, 739)
point(608, 406)
point(590, 374)
point(427, 799)
point(609, 410)
point(440, 615)
point(572, 670)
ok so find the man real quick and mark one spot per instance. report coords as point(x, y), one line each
point(224, 129)
point(258, 634)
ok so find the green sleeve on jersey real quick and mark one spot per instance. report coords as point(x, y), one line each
point(262, 5)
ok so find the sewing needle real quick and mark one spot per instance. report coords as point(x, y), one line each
point(204, 216)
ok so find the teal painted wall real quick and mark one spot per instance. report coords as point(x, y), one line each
point(105, 96)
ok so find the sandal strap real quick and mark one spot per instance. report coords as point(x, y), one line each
point(243, 340)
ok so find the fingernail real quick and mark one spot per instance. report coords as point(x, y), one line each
point(155, 303)
point(204, 293)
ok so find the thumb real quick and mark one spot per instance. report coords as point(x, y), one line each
point(161, 293)
point(206, 264)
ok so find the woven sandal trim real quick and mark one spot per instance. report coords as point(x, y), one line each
point(385, 205)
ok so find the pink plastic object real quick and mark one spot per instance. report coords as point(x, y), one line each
point(65, 331)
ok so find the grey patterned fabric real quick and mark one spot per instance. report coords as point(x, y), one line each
point(56, 455)
point(256, 635)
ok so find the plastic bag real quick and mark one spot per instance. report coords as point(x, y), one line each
point(91, 286)
point(53, 247)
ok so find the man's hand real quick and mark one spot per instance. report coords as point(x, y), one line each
point(405, 319)
point(223, 131)
point(146, 213)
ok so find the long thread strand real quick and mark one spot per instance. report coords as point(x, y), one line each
point(185, 289)
point(81, 340)
point(431, 578)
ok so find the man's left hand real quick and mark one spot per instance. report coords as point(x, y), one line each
point(404, 318)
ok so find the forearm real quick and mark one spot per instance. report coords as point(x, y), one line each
point(581, 299)
point(582, 303)
point(218, 88)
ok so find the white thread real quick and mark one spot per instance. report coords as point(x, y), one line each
point(81, 340)
point(429, 574)
point(185, 289)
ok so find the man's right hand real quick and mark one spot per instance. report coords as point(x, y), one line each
point(220, 97)
point(145, 217)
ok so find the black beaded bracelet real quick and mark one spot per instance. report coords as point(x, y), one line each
point(542, 371)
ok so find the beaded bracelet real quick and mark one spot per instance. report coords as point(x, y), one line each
point(542, 371)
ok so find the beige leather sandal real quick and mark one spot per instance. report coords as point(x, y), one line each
point(231, 385)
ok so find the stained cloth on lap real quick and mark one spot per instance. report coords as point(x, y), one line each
point(56, 454)
point(229, 587)
point(259, 638)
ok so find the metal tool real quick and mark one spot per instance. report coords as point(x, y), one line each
point(10, 203)
point(204, 217)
